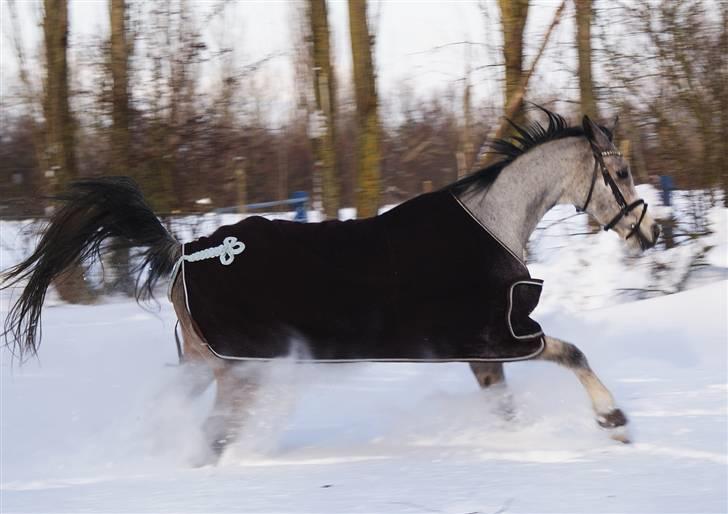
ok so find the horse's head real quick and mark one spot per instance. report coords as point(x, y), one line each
point(611, 198)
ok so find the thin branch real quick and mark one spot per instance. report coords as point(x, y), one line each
point(448, 45)
point(517, 99)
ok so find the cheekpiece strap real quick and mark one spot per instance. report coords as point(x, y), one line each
point(591, 189)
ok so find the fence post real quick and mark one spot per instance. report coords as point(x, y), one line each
point(241, 186)
point(301, 206)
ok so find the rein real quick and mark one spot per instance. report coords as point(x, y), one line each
point(624, 208)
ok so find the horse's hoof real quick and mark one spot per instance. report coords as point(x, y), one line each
point(616, 423)
point(211, 456)
point(613, 419)
point(620, 434)
point(506, 408)
point(209, 459)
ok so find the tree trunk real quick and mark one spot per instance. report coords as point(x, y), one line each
point(60, 162)
point(514, 14)
point(514, 104)
point(465, 145)
point(120, 136)
point(723, 102)
point(583, 45)
point(59, 159)
point(586, 84)
point(119, 48)
point(368, 144)
point(325, 93)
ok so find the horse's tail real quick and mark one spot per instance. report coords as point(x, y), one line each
point(94, 211)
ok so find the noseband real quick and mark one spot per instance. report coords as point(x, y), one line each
point(624, 208)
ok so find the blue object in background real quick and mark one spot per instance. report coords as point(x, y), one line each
point(300, 199)
point(667, 185)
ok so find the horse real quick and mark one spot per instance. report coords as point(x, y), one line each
point(453, 232)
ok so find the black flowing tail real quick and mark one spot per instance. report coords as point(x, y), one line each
point(108, 212)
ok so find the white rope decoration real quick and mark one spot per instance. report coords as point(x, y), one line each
point(227, 251)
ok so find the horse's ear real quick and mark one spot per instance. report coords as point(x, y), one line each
point(612, 127)
point(595, 134)
point(588, 126)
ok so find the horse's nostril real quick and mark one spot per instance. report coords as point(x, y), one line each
point(655, 232)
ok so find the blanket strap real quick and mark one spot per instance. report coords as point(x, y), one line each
point(180, 354)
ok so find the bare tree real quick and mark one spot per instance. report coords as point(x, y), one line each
point(59, 158)
point(514, 14)
point(368, 159)
point(586, 82)
point(60, 162)
point(465, 152)
point(22, 176)
point(119, 64)
point(119, 50)
point(584, 49)
point(723, 98)
point(670, 69)
point(323, 133)
point(514, 104)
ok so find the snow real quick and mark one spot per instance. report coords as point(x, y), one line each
point(718, 240)
point(97, 424)
point(584, 270)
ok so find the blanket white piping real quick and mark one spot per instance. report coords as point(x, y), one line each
point(353, 361)
point(510, 309)
point(519, 259)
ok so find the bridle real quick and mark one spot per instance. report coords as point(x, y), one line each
point(624, 208)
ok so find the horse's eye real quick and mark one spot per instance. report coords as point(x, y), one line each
point(623, 173)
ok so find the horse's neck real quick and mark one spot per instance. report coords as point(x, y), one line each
point(524, 191)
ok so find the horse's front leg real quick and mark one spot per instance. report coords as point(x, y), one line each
point(569, 356)
point(488, 373)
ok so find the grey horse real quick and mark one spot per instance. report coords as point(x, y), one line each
point(542, 167)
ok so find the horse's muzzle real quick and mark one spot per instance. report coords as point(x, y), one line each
point(655, 233)
point(645, 243)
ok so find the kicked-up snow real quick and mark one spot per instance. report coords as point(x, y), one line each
point(96, 424)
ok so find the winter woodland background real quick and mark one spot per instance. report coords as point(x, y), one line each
point(216, 105)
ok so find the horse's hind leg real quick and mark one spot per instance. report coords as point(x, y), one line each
point(198, 364)
point(236, 388)
point(569, 356)
point(196, 374)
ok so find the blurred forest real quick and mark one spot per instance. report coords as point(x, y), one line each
point(663, 68)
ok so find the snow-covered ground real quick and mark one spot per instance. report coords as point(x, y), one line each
point(97, 425)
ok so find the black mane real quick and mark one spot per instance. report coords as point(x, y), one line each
point(525, 138)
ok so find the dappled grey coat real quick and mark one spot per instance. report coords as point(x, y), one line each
point(424, 281)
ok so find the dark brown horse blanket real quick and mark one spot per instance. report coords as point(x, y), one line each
point(422, 282)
